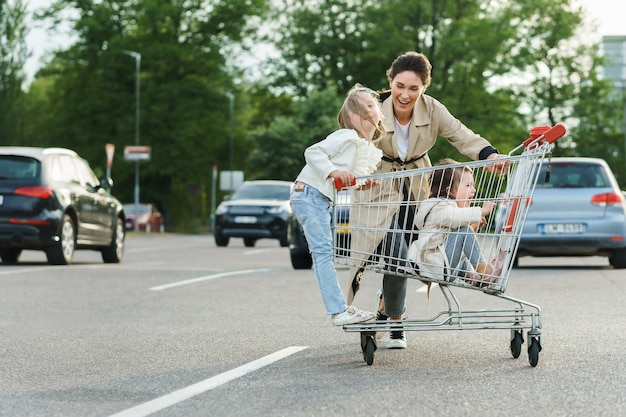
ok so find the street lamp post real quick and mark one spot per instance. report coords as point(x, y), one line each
point(137, 57)
point(231, 109)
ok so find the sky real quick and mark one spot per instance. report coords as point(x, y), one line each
point(608, 14)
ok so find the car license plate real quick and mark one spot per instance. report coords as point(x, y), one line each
point(245, 219)
point(1, 199)
point(562, 228)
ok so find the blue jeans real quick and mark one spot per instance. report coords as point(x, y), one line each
point(462, 241)
point(313, 211)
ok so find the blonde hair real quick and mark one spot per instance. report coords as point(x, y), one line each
point(351, 105)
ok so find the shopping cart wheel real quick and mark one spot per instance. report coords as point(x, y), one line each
point(534, 347)
point(516, 343)
point(368, 345)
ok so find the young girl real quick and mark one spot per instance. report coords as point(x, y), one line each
point(344, 155)
point(447, 247)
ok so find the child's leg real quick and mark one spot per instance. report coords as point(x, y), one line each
point(313, 211)
point(462, 243)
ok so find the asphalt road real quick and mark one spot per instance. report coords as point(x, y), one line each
point(183, 328)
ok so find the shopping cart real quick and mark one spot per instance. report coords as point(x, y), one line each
point(382, 222)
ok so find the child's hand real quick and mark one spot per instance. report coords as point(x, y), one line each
point(488, 207)
point(347, 178)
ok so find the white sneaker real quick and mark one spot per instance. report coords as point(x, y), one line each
point(352, 316)
point(396, 340)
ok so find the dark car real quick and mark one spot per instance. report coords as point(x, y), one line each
point(577, 210)
point(51, 200)
point(149, 219)
point(256, 210)
point(298, 247)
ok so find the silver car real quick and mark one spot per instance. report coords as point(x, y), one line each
point(576, 210)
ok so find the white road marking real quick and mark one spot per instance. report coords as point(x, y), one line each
point(206, 278)
point(256, 251)
point(183, 394)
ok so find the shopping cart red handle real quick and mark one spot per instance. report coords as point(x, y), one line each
point(339, 184)
point(541, 134)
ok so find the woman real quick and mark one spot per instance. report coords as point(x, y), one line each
point(412, 121)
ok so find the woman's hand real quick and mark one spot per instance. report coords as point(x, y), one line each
point(500, 163)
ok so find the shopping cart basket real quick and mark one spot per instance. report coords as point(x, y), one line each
point(384, 236)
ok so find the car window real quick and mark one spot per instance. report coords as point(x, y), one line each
point(62, 169)
point(262, 192)
point(19, 167)
point(573, 175)
point(86, 175)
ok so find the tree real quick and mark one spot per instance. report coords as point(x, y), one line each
point(13, 55)
point(278, 149)
point(185, 72)
point(499, 66)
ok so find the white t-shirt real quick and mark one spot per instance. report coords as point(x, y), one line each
point(402, 135)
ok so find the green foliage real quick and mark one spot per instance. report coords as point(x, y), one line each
point(501, 67)
point(13, 55)
point(184, 112)
point(278, 149)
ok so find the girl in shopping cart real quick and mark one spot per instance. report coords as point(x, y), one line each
point(447, 248)
point(343, 155)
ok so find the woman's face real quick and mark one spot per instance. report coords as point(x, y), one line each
point(371, 108)
point(406, 89)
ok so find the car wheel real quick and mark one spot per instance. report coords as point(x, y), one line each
point(114, 253)
point(62, 251)
point(10, 256)
point(284, 241)
point(618, 259)
point(148, 227)
point(220, 239)
point(301, 260)
point(249, 242)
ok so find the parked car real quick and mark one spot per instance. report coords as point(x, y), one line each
point(579, 211)
point(149, 218)
point(256, 210)
point(298, 247)
point(51, 200)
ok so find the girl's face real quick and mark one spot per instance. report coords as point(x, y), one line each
point(370, 107)
point(464, 190)
point(406, 89)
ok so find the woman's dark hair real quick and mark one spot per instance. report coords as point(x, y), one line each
point(411, 61)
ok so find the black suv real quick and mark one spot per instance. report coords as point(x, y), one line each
point(257, 209)
point(298, 246)
point(51, 200)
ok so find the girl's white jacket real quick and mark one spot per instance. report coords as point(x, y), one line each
point(435, 218)
point(341, 150)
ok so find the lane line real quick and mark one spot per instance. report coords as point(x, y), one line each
point(206, 278)
point(183, 394)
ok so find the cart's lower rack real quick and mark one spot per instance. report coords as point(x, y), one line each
point(458, 319)
point(515, 319)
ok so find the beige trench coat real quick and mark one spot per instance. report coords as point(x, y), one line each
point(431, 120)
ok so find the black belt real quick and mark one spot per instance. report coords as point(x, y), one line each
point(401, 162)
